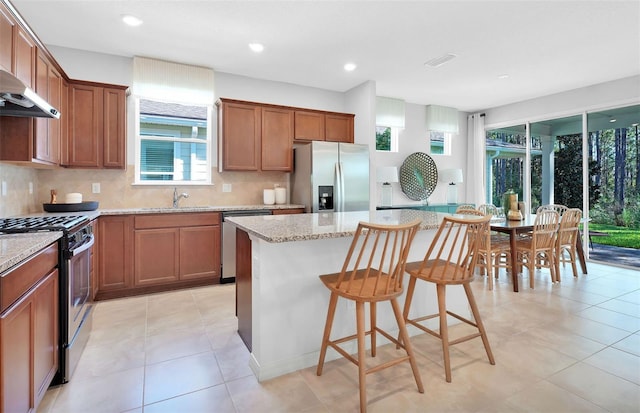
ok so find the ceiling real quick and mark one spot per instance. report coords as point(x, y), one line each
point(544, 47)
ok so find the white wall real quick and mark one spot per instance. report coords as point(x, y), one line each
point(414, 138)
point(617, 93)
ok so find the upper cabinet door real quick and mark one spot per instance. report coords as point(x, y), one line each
point(114, 129)
point(339, 128)
point(6, 39)
point(85, 126)
point(240, 133)
point(309, 126)
point(24, 57)
point(277, 139)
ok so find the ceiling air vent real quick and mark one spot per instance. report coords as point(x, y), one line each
point(439, 61)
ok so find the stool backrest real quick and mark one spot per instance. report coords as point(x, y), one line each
point(464, 207)
point(488, 209)
point(375, 263)
point(453, 253)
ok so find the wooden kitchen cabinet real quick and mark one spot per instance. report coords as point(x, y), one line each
point(309, 126)
point(255, 137)
point(139, 254)
point(35, 141)
point(277, 140)
point(7, 24)
point(338, 127)
point(24, 56)
point(177, 247)
point(29, 328)
point(96, 135)
point(240, 128)
point(115, 254)
point(323, 126)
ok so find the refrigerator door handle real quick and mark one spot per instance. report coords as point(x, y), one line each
point(341, 195)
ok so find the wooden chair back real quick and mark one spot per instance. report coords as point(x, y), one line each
point(465, 207)
point(488, 209)
point(374, 267)
point(560, 209)
point(545, 229)
point(453, 253)
point(568, 229)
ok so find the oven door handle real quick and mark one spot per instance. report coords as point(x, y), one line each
point(85, 246)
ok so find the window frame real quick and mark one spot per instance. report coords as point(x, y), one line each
point(208, 142)
point(394, 139)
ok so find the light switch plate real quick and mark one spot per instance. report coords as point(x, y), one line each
point(226, 187)
point(30, 188)
point(4, 188)
point(95, 187)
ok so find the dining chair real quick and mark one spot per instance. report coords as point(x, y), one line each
point(489, 209)
point(538, 251)
point(450, 261)
point(465, 207)
point(372, 272)
point(566, 240)
point(497, 253)
point(560, 209)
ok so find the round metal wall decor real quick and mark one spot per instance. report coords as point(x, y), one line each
point(418, 176)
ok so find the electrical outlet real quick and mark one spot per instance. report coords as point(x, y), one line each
point(95, 187)
point(30, 188)
point(4, 188)
point(226, 187)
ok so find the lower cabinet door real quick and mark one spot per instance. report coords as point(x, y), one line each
point(45, 337)
point(15, 356)
point(156, 257)
point(200, 252)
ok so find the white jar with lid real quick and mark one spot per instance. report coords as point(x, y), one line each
point(269, 196)
point(281, 195)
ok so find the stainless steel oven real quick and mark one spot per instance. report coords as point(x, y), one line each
point(77, 264)
point(75, 282)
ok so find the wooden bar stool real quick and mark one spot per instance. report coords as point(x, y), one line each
point(450, 260)
point(372, 271)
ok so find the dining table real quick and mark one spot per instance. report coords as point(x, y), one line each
point(515, 227)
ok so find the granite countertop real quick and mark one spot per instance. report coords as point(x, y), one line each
point(219, 208)
point(303, 227)
point(15, 248)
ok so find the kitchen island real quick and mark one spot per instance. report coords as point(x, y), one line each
point(281, 303)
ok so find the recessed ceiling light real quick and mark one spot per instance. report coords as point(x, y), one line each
point(439, 61)
point(350, 67)
point(256, 47)
point(612, 120)
point(503, 76)
point(131, 20)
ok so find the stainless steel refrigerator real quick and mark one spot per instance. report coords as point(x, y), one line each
point(331, 177)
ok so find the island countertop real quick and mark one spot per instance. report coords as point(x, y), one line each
point(303, 227)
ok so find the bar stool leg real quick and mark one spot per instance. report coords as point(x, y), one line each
point(444, 332)
point(373, 318)
point(407, 344)
point(362, 374)
point(331, 312)
point(478, 320)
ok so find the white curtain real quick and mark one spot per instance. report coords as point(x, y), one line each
point(172, 82)
point(476, 155)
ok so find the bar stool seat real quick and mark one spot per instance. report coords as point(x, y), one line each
point(372, 272)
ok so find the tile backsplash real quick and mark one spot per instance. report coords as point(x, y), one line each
point(117, 191)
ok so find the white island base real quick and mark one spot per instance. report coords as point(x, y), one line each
point(289, 303)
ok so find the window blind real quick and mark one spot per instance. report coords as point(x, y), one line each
point(173, 82)
point(390, 112)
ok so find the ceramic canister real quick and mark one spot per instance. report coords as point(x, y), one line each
point(269, 196)
point(281, 195)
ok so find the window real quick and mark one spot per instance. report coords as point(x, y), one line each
point(440, 143)
point(173, 142)
point(386, 139)
point(173, 118)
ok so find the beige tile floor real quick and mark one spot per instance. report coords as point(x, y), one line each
point(568, 347)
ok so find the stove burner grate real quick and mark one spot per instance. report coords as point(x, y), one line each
point(42, 223)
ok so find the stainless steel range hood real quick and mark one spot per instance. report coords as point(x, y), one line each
point(16, 99)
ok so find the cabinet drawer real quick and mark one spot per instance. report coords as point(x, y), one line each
point(18, 281)
point(176, 220)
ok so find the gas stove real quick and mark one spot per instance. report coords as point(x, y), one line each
point(63, 223)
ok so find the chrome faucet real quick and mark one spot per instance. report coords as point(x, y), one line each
point(177, 197)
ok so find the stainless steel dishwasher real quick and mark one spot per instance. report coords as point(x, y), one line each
point(229, 242)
